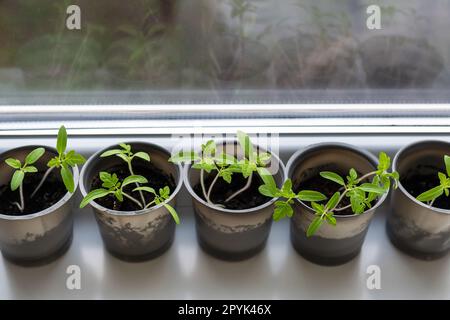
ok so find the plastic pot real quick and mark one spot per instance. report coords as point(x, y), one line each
point(41, 237)
point(330, 245)
point(232, 234)
point(134, 235)
point(415, 227)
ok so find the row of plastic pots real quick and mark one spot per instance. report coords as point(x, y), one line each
point(414, 227)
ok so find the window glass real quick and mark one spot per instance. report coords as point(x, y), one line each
point(224, 51)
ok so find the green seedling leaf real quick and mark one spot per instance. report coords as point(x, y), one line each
point(105, 176)
point(318, 208)
point(34, 155)
point(331, 219)
point(267, 178)
point(17, 180)
point(146, 189)
point(119, 195)
point(67, 177)
point(109, 181)
point(14, 163)
point(209, 149)
point(357, 200)
point(333, 177)
point(111, 152)
point(442, 178)
point(54, 162)
point(134, 179)
point(226, 175)
point(268, 191)
point(30, 169)
point(246, 167)
point(282, 210)
point(395, 176)
point(331, 204)
point(142, 155)
point(384, 162)
point(311, 196)
point(432, 194)
point(173, 213)
point(125, 146)
point(73, 159)
point(385, 181)
point(164, 192)
point(287, 187)
point(373, 188)
point(123, 157)
point(246, 145)
point(61, 142)
point(353, 174)
point(314, 226)
point(370, 197)
point(94, 194)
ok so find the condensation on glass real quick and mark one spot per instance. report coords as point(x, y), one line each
point(202, 51)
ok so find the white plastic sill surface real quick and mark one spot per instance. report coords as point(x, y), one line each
point(186, 272)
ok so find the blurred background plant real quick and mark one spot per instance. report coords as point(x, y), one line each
point(235, 53)
point(320, 52)
point(325, 21)
point(145, 50)
point(54, 57)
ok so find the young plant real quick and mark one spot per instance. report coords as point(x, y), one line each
point(21, 170)
point(63, 161)
point(112, 186)
point(225, 165)
point(127, 155)
point(431, 195)
point(360, 192)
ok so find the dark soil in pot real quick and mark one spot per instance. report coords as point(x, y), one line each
point(50, 193)
point(156, 177)
point(328, 188)
point(416, 182)
point(250, 198)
